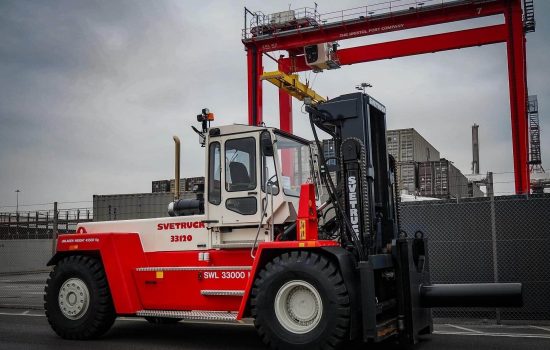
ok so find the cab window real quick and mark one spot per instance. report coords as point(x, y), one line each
point(214, 174)
point(295, 158)
point(240, 164)
point(268, 170)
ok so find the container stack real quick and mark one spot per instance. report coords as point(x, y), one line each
point(441, 179)
point(408, 148)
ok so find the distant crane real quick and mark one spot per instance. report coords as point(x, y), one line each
point(539, 179)
point(534, 135)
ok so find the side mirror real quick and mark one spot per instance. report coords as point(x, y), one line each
point(266, 145)
point(272, 189)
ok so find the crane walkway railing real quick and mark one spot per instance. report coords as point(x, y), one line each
point(258, 24)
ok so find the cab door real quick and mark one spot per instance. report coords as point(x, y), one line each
point(233, 181)
point(241, 188)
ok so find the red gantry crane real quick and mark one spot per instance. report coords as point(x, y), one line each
point(295, 31)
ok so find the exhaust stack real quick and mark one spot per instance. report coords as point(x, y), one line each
point(475, 149)
point(177, 169)
point(184, 207)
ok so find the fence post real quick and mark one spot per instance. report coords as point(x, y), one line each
point(495, 256)
point(28, 225)
point(54, 230)
point(36, 218)
point(17, 225)
point(9, 226)
point(48, 224)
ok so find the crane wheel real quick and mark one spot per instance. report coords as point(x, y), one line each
point(77, 299)
point(299, 301)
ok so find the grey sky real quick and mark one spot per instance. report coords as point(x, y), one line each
point(92, 91)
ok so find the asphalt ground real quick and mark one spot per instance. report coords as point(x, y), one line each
point(29, 329)
point(24, 326)
point(23, 290)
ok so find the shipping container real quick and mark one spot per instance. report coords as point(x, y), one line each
point(186, 184)
point(160, 186)
point(406, 177)
point(441, 179)
point(134, 206)
point(173, 185)
point(190, 182)
point(407, 145)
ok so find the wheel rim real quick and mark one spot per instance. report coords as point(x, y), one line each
point(298, 307)
point(74, 298)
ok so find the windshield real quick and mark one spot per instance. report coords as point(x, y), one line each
point(295, 159)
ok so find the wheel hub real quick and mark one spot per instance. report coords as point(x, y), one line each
point(298, 307)
point(74, 298)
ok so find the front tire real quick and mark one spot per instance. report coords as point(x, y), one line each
point(77, 299)
point(299, 300)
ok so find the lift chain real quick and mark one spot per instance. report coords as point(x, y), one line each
point(364, 188)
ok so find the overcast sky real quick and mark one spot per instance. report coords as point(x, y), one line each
point(91, 92)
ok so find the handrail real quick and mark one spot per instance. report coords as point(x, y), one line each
point(262, 25)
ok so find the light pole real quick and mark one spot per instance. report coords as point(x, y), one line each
point(17, 202)
point(363, 87)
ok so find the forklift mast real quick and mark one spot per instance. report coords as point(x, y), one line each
point(395, 289)
point(365, 176)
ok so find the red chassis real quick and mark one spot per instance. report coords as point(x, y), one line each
point(141, 280)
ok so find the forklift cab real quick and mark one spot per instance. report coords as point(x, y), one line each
point(254, 174)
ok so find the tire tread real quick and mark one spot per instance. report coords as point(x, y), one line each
point(104, 315)
point(330, 272)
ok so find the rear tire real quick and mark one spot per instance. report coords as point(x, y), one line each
point(77, 299)
point(299, 301)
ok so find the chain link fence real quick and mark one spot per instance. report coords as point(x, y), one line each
point(473, 240)
point(484, 240)
point(27, 242)
point(41, 224)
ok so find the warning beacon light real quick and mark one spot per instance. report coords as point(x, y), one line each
point(204, 118)
point(205, 115)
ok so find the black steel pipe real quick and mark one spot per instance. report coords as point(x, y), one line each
point(472, 295)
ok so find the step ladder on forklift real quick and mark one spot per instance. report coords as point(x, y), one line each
point(197, 315)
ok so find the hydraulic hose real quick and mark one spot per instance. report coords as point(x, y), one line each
point(331, 189)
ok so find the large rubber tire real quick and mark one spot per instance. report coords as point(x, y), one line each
point(316, 279)
point(92, 313)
